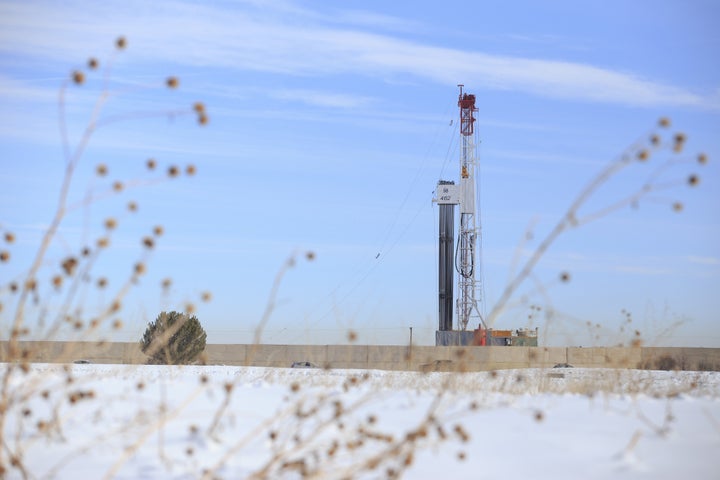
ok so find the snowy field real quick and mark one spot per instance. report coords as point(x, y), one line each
point(152, 422)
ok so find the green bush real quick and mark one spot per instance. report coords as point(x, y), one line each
point(173, 339)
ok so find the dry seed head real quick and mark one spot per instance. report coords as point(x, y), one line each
point(203, 119)
point(643, 155)
point(206, 296)
point(30, 284)
point(461, 455)
point(103, 242)
point(294, 387)
point(18, 332)
point(655, 140)
point(121, 43)
point(139, 268)
point(189, 308)
point(564, 277)
point(199, 107)
point(110, 223)
point(352, 336)
point(677, 206)
point(78, 325)
point(118, 186)
point(4, 256)
point(148, 242)
point(204, 379)
point(101, 169)
point(190, 170)
point(69, 265)
point(158, 230)
point(166, 283)
point(172, 82)
point(92, 63)
point(539, 416)
point(151, 163)
point(664, 122)
point(693, 180)
point(132, 206)
point(117, 324)
point(10, 237)
point(228, 387)
point(679, 142)
point(57, 281)
point(173, 171)
point(85, 252)
point(13, 287)
point(94, 323)
point(140, 386)
point(310, 255)
point(102, 282)
point(460, 432)
point(702, 159)
point(115, 306)
point(78, 77)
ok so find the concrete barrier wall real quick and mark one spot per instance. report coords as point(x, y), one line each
point(424, 358)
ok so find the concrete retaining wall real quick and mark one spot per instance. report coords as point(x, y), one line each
point(425, 358)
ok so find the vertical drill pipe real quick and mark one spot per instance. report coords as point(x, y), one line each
point(445, 266)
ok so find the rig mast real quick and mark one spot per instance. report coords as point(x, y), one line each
point(465, 265)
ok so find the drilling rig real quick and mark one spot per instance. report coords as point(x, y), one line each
point(460, 256)
point(464, 256)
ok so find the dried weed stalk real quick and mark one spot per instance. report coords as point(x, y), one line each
point(69, 280)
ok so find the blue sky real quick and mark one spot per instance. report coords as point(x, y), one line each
point(330, 125)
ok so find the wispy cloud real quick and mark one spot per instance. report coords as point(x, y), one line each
point(320, 98)
point(641, 270)
point(285, 39)
point(712, 261)
point(529, 157)
point(12, 89)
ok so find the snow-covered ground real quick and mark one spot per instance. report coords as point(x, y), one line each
point(154, 422)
